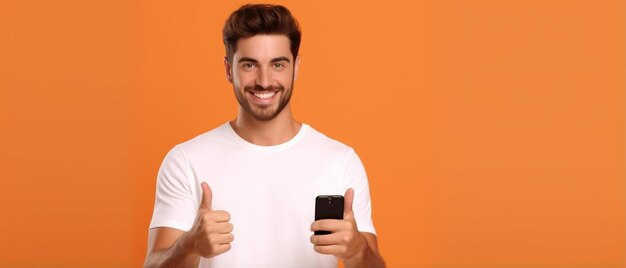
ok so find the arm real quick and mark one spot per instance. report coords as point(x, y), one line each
point(169, 247)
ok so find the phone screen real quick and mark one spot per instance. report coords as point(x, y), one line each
point(328, 207)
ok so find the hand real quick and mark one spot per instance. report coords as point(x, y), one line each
point(211, 233)
point(345, 241)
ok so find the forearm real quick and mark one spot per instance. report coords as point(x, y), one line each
point(180, 254)
point(367, 257)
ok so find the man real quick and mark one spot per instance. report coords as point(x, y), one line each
point(243, 194)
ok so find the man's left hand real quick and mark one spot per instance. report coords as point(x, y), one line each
point(345, 241)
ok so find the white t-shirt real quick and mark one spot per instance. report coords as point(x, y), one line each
point(269, 192)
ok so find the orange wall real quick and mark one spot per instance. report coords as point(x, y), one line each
point(493, 132)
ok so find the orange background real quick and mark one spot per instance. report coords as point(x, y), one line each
point(493, 132)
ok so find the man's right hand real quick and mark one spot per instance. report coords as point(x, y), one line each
point(209, 236)
point(211, 232)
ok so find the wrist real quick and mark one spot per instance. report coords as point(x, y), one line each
point(187, 244)
point(361, 249)
point(364, 256)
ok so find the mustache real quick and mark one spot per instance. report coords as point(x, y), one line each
point(257, 88)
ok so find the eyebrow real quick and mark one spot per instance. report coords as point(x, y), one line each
point(246, 59)
point(280, 59)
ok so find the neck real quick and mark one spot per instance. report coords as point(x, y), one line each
point(279, 130)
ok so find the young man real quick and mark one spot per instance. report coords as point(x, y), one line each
point(243, 194)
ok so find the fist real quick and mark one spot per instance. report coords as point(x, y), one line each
point(212, 232)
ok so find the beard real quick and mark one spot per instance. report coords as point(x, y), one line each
point(264, 112)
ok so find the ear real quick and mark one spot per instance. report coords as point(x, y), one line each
point(229, 70)
point(296, 66)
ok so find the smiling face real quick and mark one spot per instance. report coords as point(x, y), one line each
point(262, 73)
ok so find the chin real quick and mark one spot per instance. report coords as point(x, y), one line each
point(264, 117)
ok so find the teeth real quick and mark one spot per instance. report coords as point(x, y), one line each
point(264, 95)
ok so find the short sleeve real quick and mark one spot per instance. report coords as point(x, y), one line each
point(175, 206)
point(356, 178)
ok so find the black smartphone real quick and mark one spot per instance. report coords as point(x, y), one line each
point(328, 207)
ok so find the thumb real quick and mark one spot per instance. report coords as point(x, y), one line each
point(347, 204)
point(207, 197)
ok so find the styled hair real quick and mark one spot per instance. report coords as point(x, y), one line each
point(253, 19)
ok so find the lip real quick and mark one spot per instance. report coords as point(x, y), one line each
point(263, 101)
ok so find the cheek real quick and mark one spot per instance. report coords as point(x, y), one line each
point(285, 78)
point(242, 79)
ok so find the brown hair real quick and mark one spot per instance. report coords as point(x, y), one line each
point(253, 19)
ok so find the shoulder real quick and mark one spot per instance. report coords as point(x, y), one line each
point(207, 141)
point(328, 144)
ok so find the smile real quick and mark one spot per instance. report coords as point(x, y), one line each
point(264, 95)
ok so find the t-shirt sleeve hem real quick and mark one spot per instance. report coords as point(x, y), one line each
point(367, 229)
point(172, 224)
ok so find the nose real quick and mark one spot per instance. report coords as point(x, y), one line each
point(263, 78)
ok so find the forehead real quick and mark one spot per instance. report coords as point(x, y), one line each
point(263, 47)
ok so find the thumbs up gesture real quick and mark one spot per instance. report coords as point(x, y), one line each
point(345, 241)
point(211, 231)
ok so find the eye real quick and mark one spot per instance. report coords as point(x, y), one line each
point(278, 66)
point(248, 66)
